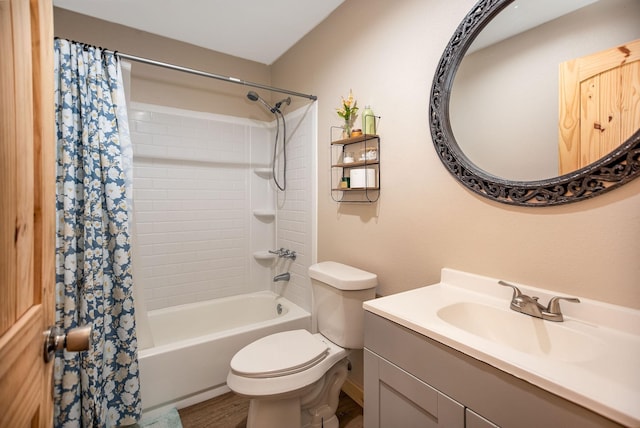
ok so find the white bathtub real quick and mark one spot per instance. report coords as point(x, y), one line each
point(194, 344)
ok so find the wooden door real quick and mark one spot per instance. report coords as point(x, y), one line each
point(27, 210)
point(599, 104)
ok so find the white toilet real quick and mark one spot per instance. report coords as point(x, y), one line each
point(294, 378)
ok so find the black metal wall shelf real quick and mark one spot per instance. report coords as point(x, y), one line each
point(349, 156)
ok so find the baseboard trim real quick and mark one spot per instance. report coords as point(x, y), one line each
point(354, 391)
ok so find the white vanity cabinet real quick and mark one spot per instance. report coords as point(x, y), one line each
point(414, 381)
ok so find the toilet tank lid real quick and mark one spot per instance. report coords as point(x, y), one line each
point(343, 277)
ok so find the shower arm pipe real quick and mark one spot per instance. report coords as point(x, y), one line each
point(212, 75)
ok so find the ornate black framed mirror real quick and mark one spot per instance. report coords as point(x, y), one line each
point(614, 169)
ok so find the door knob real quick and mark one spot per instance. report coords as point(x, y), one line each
point(76, 340)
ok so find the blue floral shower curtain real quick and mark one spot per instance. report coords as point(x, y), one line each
point(94, 285)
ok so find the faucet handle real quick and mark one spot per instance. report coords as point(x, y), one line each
point(516, 291)
point(554, 304)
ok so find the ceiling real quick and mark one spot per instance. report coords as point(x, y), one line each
point(263, 30)
point(257, 30)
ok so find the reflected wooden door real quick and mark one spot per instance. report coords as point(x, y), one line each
point(599, 104)
point(27, 210)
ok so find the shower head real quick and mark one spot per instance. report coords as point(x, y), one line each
point(253, 96)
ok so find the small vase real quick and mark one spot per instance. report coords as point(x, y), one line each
point(346, 129)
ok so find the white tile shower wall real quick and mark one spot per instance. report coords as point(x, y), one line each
point(193, 204)
point(297, 206)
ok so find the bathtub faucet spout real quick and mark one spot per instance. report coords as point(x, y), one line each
point(282, 277)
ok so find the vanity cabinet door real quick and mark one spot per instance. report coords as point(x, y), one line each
point(395, 398)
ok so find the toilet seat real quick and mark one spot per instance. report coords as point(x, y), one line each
point(287, 379)
point(279, 354)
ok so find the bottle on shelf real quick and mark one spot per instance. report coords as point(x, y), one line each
point(368, 121)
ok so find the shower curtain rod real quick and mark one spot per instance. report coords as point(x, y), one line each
point(211, 75)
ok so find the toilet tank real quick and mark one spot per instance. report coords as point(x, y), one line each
point(338, 293)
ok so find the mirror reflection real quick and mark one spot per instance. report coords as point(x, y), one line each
point(505, 99)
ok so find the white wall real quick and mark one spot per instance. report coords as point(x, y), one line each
point(192, 201)
point(196, 195)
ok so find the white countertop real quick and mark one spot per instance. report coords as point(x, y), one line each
point(606, 379)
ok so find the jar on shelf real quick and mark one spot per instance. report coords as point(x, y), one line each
point(348, 157)
point(368, 154)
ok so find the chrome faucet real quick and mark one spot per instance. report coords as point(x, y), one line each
point(289, 254)
point(529, 304)
point(284, 253)
point(282, 277)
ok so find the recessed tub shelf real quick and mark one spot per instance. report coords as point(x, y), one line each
point(263, 172)
point(264, 255)
point(264, 213)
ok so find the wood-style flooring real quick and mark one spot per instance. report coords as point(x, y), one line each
point(230, 411)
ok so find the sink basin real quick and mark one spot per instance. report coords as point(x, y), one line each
point(522, 332)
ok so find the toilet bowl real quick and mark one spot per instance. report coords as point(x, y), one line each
point(293, 378)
